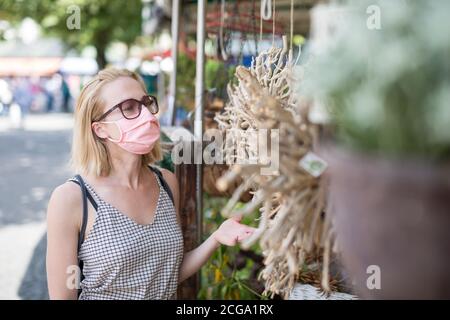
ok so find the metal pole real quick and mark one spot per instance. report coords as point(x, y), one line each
point(161, 88)
point(173, 78)
point(199, 97)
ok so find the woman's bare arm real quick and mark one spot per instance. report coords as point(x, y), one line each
point(229, 233)
point(63, 221)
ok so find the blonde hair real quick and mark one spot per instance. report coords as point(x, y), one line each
point(89, 153)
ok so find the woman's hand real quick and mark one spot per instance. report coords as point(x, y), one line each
point(231, 232)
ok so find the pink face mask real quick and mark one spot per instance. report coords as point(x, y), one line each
point(137, 135)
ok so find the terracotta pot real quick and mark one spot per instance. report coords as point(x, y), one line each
point(394, 215)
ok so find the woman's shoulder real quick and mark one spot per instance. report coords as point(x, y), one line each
point(68, 191)
point(65, 201)
point(169, 176)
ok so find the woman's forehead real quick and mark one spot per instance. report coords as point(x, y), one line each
point(121, 89)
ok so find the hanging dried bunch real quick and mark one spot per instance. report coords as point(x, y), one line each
point(291, 201)
point(270, 76)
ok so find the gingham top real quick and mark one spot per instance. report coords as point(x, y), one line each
point(126, 260)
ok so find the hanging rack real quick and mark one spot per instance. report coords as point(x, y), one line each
point(245, 19)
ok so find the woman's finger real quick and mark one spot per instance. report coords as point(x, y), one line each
point(250, 229)
point(237, 217)
point(244, 235)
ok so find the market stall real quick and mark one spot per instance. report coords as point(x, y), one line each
point(313, 204)
point(264, 23)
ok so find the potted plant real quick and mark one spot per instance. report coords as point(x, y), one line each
point(387, 91)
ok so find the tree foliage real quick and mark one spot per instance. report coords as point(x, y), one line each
point(101, 21)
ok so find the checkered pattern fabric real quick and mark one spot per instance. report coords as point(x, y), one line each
point(126, 260)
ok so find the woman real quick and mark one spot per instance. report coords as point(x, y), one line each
point(132, 247)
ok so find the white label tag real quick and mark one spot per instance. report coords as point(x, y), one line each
point(313, 164)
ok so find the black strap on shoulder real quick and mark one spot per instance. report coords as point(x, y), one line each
point(163, 181)
point(89, 195)
point(85, 196)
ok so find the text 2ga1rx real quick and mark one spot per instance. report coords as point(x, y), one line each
point(231, 309)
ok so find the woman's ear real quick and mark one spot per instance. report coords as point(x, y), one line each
point(99, 130)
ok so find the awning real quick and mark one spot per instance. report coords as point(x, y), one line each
point(79, 66)
point(29, 66)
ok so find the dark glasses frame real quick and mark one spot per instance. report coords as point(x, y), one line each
point(147, 100)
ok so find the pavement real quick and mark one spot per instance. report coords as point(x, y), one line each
point(33, 161)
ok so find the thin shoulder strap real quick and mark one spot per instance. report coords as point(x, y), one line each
point(89, 195)
point(85, 194)
point(163, 181)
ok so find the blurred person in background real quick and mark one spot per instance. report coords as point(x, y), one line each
point(6, 96)
point(22, 100)
point(65, 94)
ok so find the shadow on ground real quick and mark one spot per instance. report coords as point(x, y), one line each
point(34, 283)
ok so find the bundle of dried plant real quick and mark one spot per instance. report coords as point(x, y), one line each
point(291, 201)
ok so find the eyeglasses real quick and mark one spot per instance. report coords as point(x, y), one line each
point(131, 108)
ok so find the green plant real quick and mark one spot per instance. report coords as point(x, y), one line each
point(166, 162)
point(388, 89)
point(218, 75)
point(185, 81)
point(230, 273)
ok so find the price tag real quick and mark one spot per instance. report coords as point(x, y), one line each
point(313, 164)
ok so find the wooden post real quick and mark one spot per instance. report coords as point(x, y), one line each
point(191, 223)
point(186, 173)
